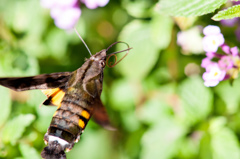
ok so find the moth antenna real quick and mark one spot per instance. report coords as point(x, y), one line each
point(114, 54)
point(83, 41)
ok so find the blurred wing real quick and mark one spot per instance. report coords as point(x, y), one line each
point(44, 81)
point(100, 115)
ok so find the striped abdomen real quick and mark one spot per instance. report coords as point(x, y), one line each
point(70, 119)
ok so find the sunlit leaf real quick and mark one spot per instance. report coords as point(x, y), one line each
point(14, 129)
point(143, 56)
point(93, 144)
point(5, 105)
point(229, 13)
point(224, 142)
point(188, 8)
point(138, 8)
point(122, 96)
point(197, 99)
point(230, 94)
point(162, 139)
point(161, 30)
point(28, 152)
point(153, 111)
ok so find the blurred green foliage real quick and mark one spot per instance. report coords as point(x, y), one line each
point(160, 110)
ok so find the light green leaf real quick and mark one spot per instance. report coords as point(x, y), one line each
point(146, 38)
point(5, 106)
point(162, 140)
point(137, 8)
point(144, 54)
point(29, 152)
point(225, 144)
point(188, 8)
point(122, 96)
point(161, 30)
point(228, 13)
point(197, 99)
point(229, 94)
point(15, 128)
point(95, 142)
point(153, 111)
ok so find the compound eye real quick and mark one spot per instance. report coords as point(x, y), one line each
point(102, 63)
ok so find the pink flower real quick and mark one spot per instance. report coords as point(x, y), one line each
point(234, 51)
point(211, 30)
point(66, 18)
point(58, 3)
point(92, 4)
point(206, 62)
point(226, 49)
point(213, 75)
point(225, 63)
point(213, 38)
point(64, 12)
point(210, 54)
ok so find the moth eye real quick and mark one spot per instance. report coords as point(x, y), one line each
point(102, 63)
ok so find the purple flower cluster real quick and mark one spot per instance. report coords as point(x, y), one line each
point(67, 12)
point(225, 65)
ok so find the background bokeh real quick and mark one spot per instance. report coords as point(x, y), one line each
point(155, 96)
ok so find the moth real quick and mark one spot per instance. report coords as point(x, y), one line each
point(77, 97)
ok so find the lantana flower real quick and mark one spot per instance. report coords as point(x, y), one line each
point(213, 38)
point(67, 12)
point(213, 75)
point(92, 4)
point(225, 65)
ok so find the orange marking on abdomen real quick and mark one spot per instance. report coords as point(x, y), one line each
point(81, 123)
point(85, 114)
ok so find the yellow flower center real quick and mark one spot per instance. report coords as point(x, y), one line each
point(214, 42)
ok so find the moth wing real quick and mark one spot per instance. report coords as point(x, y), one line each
point(100, 115)
point(52, 85)
point(44, 81)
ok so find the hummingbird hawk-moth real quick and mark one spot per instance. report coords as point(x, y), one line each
point(77, 97)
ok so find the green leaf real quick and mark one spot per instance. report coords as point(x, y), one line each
point(224, 142)
point(28, 152)
point(230, 99)
point(94, 141)
point(153, 111)
point(161, 30)
point(188, 8)
point(138, 8)
point(15, 128)
point(5, 106)
point(228, 13)
point(146, 38)
point(197, 99)
point(122, 96)
point(144, 54)
point(162, 140)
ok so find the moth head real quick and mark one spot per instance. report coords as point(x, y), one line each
point(102, 57)
point(99, 58)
